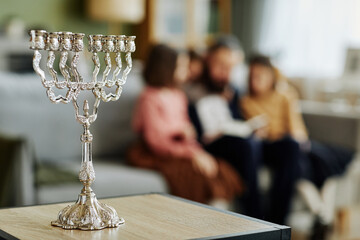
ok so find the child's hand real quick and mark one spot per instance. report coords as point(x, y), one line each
point(262, 133)
point(189, 132)
point(205, 163)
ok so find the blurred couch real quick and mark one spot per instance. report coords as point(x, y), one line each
point(52, 134)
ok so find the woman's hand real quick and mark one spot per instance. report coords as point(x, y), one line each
point(261, 133)
point(205, 163)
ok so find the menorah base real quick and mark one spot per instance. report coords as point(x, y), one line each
point(87, 214)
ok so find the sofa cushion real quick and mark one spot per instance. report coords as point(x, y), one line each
point(112, 179)
point(26, 111)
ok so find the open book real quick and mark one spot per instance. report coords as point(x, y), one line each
point(216, 119)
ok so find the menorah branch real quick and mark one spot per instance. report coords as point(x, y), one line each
point(128, 67)
point(50, 66)
point(117, 69)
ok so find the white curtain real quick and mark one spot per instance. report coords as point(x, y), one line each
point(309, 38)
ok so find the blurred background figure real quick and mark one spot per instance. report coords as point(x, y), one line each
point(196, 65)
point(167, 138)
point(318, 162)
point(192, 87)
point(225, 134)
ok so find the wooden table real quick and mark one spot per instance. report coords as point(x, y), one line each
point(151, 216)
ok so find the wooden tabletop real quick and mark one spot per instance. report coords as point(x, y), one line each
point(151, 216)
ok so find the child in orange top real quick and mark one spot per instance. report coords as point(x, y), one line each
point(317, 162)
point(282, 114)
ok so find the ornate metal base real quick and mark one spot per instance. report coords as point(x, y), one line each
point(87, 214)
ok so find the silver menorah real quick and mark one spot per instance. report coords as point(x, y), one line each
point(87, 213)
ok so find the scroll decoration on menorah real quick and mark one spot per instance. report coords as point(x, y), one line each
point(87, 213)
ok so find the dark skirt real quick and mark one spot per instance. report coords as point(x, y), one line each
point(184, 180)
point(324, 161)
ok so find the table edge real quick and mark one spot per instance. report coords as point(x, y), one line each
point(285, 231)
point(6, 236)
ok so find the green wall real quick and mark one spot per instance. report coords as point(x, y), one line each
point(246, 22)
point(53, 15)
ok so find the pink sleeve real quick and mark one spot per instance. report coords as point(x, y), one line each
point(159, 135)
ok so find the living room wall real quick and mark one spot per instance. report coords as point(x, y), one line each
point(52, 15)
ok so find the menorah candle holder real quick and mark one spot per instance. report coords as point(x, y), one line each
point(87, 213)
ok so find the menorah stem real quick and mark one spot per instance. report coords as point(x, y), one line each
point(87, 172)
point(87, 213)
